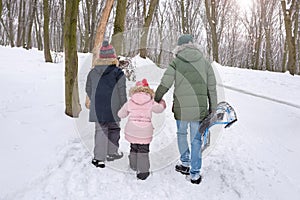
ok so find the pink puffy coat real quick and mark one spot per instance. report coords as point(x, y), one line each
point(139, 108)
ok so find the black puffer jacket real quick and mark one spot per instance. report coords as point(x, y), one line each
point(106, 88)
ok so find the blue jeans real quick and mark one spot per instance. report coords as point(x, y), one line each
point(191, 158)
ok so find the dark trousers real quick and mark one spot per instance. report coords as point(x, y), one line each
point(139, 157)
point(107, 136)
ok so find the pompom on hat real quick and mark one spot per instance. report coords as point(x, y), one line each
point(107, 50)
point(143, 83)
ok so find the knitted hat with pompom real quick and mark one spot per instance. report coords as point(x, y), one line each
point(143, 83)
point(107, 50)
point(141, 86)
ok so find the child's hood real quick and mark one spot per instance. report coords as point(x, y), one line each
point(141, 98)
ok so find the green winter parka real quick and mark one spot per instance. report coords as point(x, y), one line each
point(194, 84)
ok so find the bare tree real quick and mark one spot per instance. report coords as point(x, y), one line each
point(20, 25)
point(47, 53)
point(30, 23)
point(210, 7)
point(289, 14)
point(268, 8)
point(62, 21)
point(258, 35)
point(86, 16)
point(10, 5)
point(161, 20)
point(117, 39)
point(72, 103)
point(228, 48)
point(267, 37)
point(1, 20)
point(38, 27)
point(184, 15)
point(148, 20)
point(101, 27)
point(297, 35)
point(24, 24)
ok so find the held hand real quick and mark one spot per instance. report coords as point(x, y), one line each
point(163, 103)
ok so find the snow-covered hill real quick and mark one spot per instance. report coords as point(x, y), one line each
point(46, 155)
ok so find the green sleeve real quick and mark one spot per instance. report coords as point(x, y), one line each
point(166, 82)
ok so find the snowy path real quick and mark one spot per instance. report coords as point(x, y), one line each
point(257, 158)
point(247, 163)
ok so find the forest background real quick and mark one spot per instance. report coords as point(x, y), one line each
point(253, 34)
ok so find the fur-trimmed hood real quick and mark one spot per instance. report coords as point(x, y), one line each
point(138, 89)
point(188, 52)
point(105, 62)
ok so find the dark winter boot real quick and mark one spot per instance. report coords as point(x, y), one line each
point(98, 163)
point(115, 156)
point(196, 181)
point(143, 175)
point(182, 169)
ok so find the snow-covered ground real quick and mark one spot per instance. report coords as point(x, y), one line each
point(46, 155)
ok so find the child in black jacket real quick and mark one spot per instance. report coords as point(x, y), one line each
point(106, 90)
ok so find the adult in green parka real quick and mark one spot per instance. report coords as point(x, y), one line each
point(194, 97)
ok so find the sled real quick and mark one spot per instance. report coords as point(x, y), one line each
point(224, 115)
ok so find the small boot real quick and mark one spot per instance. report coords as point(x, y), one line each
point(115, 156)
point(143, 175)
point(98, 163)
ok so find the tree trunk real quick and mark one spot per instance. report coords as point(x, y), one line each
point(269, 66)
point(296, 35)
point(31, 18)
point(101, 27)
point(72, 103)
point(160, 20)
point(1, 20)
point(24, 25)
point(20, 25)
point(258, 40)
point(211, 17)
point(38, 32)
point(47, 53)
point(290, 39)
point(80, 35)
point(62, 22)
point(55, 28)
point(148, 20)
point(284, 59)
point(93, 24)
point(183, 17)
point(268, 29)
point(86, 17)
point(10, 23)
point(117, 39)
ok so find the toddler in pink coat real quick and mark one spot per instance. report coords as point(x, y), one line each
point(139, 128)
